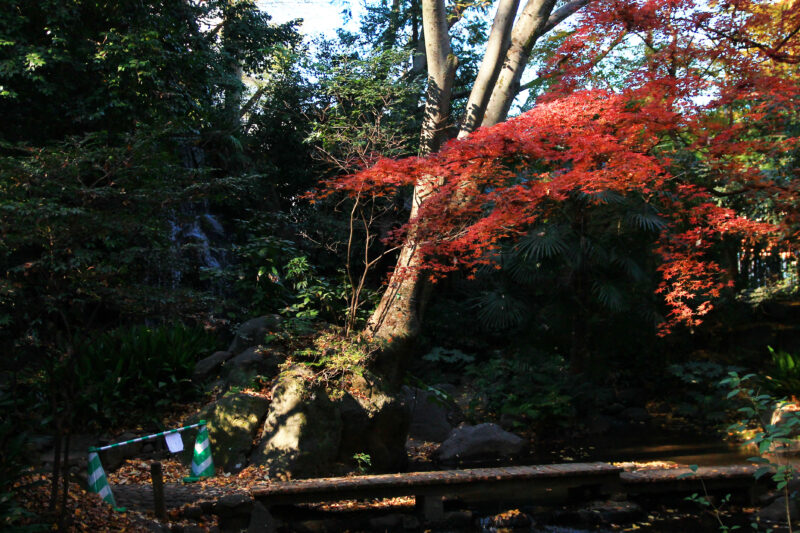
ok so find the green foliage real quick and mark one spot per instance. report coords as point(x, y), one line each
point(784, 376)
point(363, 462)
point(272, 273)
point(315, 296)
point(334, 357)
point(530, 389)
point(135, 369)
point(579, 279)
point(756, 410)
point(716, 508)
point(448, 356)
point(701, 399)
point(256, 276)
point(78, 66)
point(13, 464)
point(364, 110)
point(86, 235)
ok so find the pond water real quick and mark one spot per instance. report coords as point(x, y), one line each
point(648, 446)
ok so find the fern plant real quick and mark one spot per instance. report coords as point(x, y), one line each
point(784, 376)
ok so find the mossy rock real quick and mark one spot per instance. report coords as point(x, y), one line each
point(303, 430)
point(233, 422)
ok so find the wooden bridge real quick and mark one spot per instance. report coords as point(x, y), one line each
point(546, 482)
point(542, 484)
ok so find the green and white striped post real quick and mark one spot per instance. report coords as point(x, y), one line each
point(98, 483)
point(202, 462)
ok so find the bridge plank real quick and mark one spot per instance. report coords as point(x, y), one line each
point(705, 473)
point(403, 483)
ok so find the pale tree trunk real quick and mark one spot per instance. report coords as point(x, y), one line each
point(508, 51)
point(397, 315)
point(536, 19)
point(496, 47)
point(527, 30)
point(441, 73)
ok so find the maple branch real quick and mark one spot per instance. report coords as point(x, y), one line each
point(786, 39)
point(347, 267)
point(749, 188)
point(596, 61)
point(770, 51)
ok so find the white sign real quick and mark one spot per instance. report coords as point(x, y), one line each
point(174, 442)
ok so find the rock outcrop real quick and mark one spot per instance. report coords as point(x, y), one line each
point(303, 430)
point(311, 432)
point(207, 367)
point(374, 421)
point(253, 332)
point(240, 370)
point(429, 415)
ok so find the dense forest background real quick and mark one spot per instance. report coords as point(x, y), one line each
point(156, 158)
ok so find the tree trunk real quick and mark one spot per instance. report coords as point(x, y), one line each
point(397, 315)
point(233, 87)
point(496, 47)
point(527, 30)
point(441, 73)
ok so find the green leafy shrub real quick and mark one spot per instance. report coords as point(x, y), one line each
point(271, 273)
point(136, 368)
point(314, 296)
point(765, 432)
point(532, 389)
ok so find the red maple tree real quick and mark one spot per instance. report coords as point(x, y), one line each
point(707, 111)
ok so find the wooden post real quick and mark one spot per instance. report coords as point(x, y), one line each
point(430, 506)
point(159, 506)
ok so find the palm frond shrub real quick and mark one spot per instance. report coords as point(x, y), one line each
point(576, 280)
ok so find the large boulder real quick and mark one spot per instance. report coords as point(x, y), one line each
point(374, 421)
point(253, 332)
point(254, 361)
point(303, 430)
point(207, 366)
point(429, 421)
point(484, 441)
point(233, 422)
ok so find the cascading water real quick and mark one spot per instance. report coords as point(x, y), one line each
point(199, 240)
